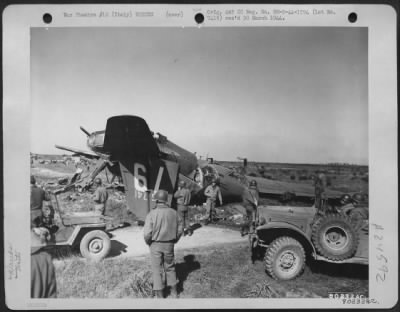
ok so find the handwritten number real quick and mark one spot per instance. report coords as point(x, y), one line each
point(380, 257)
point(380, 278)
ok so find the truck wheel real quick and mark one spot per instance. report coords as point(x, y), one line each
point(95, 245)
point(335, 237)
point(285, 258)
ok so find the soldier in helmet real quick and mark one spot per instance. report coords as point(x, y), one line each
point(212, 192)
point(100, 197)
point(38, 195)
point(359, 198)
point(320, 195)
point(46, 222)
point(182, 196)
point(162, 229)
point(250, 198)
point(347, 203)
point(360, 212)
point(353, 208)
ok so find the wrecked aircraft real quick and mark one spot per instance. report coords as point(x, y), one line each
point(148, 161)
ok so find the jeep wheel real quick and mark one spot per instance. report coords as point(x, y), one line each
point(95, 245)
point(335, 237)
point(285, 258)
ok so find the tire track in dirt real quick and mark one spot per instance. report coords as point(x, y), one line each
point(129, 242)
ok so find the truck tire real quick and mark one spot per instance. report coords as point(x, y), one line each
point(285, 258)
point(335, 237)
point(95, 245)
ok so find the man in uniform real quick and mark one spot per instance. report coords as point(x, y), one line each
point(361, 211)
point(43, 278)
point(212, 192)
point(162, 229)
point(347, 204)
point(38, 195)
point(100, 197)
point(350, 208)
point(46, 222)
point(360, 199)
point(250, 198)
point(320, 195)
point(182, 196)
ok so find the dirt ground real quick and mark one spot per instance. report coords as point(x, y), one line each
point(129, 242)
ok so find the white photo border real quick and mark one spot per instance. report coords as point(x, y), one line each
point(382, 125)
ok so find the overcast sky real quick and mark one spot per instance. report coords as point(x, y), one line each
point(272, 94)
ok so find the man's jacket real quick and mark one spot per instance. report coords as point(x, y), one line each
point(37, 197)
point(182, 196)
point(100, 195)
point(250, 197)
point(162, 224)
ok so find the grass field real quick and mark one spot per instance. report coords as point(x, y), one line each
point(215, 272)
point(340, 177)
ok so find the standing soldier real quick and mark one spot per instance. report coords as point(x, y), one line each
point(100, 197)
point(320, 195)
point(38, 195)
point(250, 198)
point(212, 192)
point(162, 230)
point(182, 196)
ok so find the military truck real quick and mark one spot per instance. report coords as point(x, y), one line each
point(289, 234)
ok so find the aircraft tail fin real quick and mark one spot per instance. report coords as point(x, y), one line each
point(129, 135)
point(130, 142)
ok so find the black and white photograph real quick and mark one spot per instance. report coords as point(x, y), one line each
point(201, 162)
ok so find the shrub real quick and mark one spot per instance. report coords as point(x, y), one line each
point(261, 291)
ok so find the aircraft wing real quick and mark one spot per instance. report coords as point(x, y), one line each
point(267, 186)
point(79, 152)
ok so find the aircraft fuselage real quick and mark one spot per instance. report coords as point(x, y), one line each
point(169, 151)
